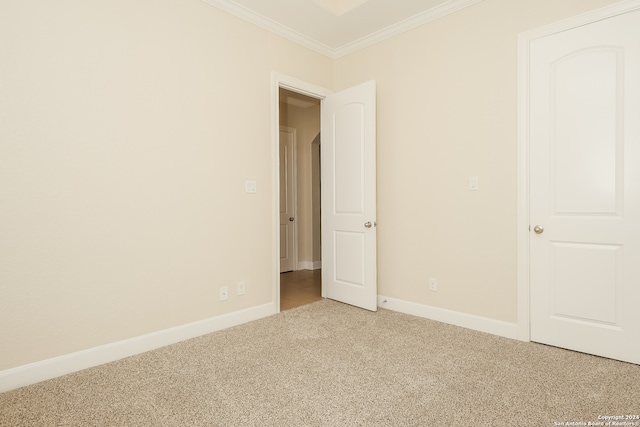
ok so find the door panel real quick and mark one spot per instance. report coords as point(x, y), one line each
point(348, 153)
point(349, 259)
point(596, 281)
point(349, 159)
point(585, 92)
point(585, 188)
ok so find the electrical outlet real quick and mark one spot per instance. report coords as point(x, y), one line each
point(241, 288)
point(224, 293)
point(433, 284)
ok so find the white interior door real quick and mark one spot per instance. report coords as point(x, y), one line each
point(585, 188)
point(287, 200)
point(348, 153)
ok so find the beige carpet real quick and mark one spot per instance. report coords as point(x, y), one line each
point(329, 364)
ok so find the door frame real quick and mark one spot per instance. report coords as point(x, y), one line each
point(293, 84)
point(523, 232)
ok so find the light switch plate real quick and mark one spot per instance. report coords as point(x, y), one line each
point(250, 186)
point(473, 183)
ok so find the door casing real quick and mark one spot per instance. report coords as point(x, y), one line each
point(523, 233)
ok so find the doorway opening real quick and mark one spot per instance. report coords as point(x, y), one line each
point(348, 199)
point(300, 213)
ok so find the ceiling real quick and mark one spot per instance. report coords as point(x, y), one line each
point(338, 27)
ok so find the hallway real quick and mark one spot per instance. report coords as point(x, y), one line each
point(299, 288)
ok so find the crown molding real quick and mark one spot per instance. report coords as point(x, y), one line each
point(403, 26)
point(270, 25)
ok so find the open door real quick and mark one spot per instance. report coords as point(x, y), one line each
point(348, 152)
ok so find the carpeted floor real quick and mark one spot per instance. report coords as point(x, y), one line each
point(329, 364)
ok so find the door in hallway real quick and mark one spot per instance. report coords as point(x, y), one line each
point(287, 200)
point(299, 288)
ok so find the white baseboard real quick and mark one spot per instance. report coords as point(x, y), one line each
point(469, 321)
point(309, 265)
point(40, 371)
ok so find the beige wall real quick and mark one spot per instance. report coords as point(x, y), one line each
point(127, 131)
point(447, 107)
point(129, 128)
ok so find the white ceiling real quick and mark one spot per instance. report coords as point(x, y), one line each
point(338, 27)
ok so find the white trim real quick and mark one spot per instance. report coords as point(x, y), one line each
point(40, 371)
point(309, 265)
point(469, 321)
point(293, 84)
point(271, 25)
point(427, 16)
point(586, 18)
point(524, 41)
point(523, 190)
point(378, 36)
point(305, 265)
